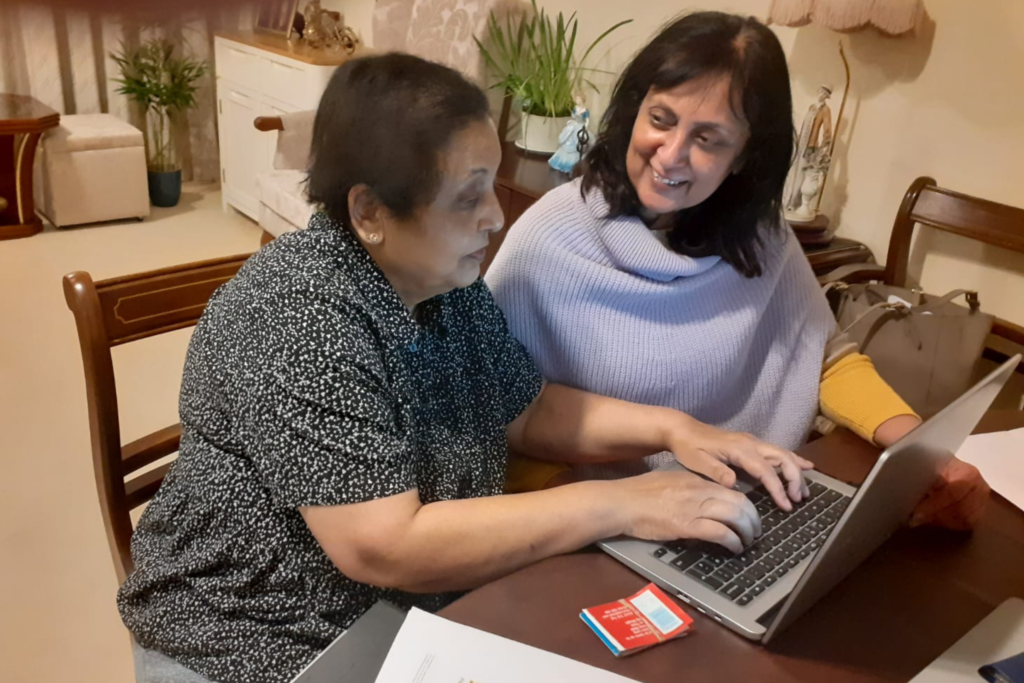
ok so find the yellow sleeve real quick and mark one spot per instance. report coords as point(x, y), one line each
point(855, 396)
point(526, 474)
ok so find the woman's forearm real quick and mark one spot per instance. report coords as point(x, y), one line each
point(462, 544)
point(573, 426)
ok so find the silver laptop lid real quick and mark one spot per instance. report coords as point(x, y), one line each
point(889, 494)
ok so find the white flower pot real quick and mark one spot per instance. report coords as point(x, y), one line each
point(540, 133)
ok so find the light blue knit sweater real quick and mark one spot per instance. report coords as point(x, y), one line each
point(603, 305)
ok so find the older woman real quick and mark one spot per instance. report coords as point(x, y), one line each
point(664, 275)
point(349, 398)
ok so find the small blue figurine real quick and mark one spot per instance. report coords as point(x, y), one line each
point(572, 141)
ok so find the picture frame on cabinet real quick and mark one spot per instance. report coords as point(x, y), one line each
point(276, 16)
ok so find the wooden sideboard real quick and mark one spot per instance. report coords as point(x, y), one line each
point(524, 178)
point(22, 121)
point(261, 75)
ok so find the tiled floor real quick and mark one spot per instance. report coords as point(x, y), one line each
point(58, 621)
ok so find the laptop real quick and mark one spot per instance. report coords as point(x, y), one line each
point(803, 554)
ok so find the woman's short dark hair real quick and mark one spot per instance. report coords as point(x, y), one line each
point(730, 222)
point(383, 121)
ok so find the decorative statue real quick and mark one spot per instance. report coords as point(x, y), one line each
point(573, 140)
point(326, 29)
point(812, 159)
point(313, 31)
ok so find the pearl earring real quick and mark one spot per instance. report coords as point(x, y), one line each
point(373, 238)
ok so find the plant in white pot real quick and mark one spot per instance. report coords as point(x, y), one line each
point(534, 58)
point(164, 84)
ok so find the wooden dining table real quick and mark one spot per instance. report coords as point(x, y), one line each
point(919, 593)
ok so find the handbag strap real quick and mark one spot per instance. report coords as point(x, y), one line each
point(969, 295)
point(871, 309)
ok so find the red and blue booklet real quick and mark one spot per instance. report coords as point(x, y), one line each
point(637, 622)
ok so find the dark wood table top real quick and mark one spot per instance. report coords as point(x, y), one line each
point(24, 114)
point(919, 593)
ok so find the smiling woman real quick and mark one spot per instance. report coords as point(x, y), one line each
point(663, 274)
point(704, 110)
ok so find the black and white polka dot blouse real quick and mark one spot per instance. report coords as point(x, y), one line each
point(308, 382)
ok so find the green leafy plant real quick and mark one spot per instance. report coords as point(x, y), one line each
point(535, 60)
point(164, 84)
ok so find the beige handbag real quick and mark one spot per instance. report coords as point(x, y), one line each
point(925, 347)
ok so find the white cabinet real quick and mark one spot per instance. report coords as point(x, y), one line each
point(256, 76)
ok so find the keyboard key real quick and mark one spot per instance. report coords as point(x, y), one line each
point(744, 599)
point(756, 572)
point(831, 496)
point(792, 546)
point(724, 574)
point(771, 540)
point(704, 567)
point(744, 581)
point(789, 527)
point(716, 560)
point(803, 537)
point(688, 559)
point(817, 525)
point(765, 507)
point(754, 496)
point(817, 489)
point(711, 582)
point(842, 505)
point(745, 560)
point(660, 552)
point(732, 591)
point(782, 570)
point(735, 566)
point(792, 562)
point(817, 507)
point(677, 546)
point(775, 518)
point(770, 580)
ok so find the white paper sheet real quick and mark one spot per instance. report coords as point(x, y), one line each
point(1000, 458)
point(429, 649)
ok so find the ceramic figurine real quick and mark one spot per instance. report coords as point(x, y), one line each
point(812, 156)
point(569, 152)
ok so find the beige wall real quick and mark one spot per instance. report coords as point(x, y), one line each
point(948, 103)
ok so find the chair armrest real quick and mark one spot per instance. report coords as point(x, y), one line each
point(853, 272)
point(268, 123)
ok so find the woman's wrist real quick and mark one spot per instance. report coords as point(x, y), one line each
point(894, 429)
point(676, 428)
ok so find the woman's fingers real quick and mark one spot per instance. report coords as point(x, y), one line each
point(716, 532)
point(791, 472)
point(761, 469)
point(709, 466)
point(740, 516)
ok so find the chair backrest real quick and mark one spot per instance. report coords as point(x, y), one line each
point(979, 219)
point(118, 311)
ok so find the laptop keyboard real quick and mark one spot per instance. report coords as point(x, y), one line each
point(787, 539)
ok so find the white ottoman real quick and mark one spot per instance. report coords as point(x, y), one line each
point(90, 169)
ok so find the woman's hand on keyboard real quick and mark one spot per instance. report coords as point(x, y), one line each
point(710, 451)
point(667, 506)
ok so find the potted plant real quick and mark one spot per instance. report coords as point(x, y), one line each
point(535, 60)
point(164, 84)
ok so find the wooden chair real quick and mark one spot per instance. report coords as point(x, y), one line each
point(926, 203)
point(118, 311)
